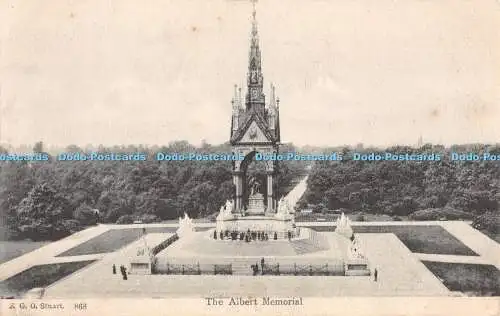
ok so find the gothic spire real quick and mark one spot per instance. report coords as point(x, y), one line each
point(254, 60)
point(255, 97)
point(254, 25)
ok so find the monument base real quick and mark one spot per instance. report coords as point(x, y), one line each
point(357, 267)
point(140, 265)
point(283, 227)
point(256, 205)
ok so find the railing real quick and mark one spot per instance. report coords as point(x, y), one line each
point(191, 269)
point(223, 269)
point(313, 270)
point(272, 269)
point(327, 269)
point(302, 269)
point(157, 249)
point(184, 269)
point(175, 268)
point(321, 270)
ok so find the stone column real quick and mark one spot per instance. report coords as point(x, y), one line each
point(270, 199)
point(239, 191)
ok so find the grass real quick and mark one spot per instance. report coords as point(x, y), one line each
point(492, 235)
point(332, 217)
point(471, 279)
point(13, 249)
point(113, 240)
point(422, 239)
point(39, 276)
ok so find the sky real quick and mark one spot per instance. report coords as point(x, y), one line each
point(347, 72)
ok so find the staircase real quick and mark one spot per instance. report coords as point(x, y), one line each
point(241, 266)
point(302, 246)
point(315, 242)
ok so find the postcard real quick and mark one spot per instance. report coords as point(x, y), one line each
point(302, 157)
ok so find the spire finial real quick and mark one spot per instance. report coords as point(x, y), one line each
point(254, 75)
point(234, 101)
point(273, 95)
point(254, 19)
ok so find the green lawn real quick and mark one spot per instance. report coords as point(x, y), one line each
point(112, 240)
point(115, 239)
point(39, 276)
point(494, 236)
point(422, 239)
point(471, 279)
point(12, 249)
point(332, 217)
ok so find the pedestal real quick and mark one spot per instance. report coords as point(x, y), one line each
point(141, 265)
point(256, 205)
point(357, 267)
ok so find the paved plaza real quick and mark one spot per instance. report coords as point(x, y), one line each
point(401, 272)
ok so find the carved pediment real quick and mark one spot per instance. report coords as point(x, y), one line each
point(254, 130)
point(254, 134)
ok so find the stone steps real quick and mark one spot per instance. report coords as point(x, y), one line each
point(302, 247)
point(241, 266)
point(316, 242)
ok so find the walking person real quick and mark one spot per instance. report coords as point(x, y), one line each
point(123, 272)
point(262, 264)
point(375, 275)
point(114, 269)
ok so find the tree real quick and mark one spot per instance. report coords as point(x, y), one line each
point(38, 147)
point(405, 207)
point(41, 213)
point(85, 215)
point(16, 180)
point(125, 219)
point(489, 222)
point(198, 201)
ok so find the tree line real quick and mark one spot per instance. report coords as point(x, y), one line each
point(50, 200)
point(418, 190)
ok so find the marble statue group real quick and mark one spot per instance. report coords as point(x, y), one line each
point(186, 226)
